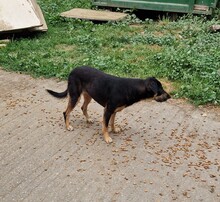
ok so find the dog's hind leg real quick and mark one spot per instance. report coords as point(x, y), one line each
point(112, 120)
point(87, 99)
point(71, 104)
point(112, 124)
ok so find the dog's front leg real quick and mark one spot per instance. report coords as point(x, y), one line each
point(106, 118)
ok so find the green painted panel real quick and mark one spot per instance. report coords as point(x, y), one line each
point(206, 2)
point(183, 6)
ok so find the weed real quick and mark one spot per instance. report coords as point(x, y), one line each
point(195, 61)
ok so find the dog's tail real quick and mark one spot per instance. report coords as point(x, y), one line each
point(58, 95)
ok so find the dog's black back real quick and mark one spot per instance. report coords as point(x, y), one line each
point(108, 89)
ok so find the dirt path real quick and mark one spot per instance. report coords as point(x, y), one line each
point(167, 151)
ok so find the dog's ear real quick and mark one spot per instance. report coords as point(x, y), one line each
point(156, 88)
point(153, 85)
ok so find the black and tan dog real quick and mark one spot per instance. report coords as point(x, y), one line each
point(113, 93)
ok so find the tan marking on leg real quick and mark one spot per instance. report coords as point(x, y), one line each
point(112, 120)
point(70, 107)
point(105, 133)
point(112, 124)
point(87, 99)
point(119, 109)
point(67, 115)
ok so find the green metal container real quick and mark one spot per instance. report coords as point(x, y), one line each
point(180, 6)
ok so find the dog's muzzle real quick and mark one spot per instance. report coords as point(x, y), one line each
point(161, 98)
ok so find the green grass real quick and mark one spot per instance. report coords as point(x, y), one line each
point(184, 51)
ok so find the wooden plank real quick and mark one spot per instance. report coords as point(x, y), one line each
point(88, 14)
point(18, 14)
point(201, 7)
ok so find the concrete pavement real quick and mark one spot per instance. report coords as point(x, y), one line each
point(165, 152)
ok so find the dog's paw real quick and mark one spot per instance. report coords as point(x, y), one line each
point(108, 139)
point(89, 120)
point(116, 130)
point(69, 128)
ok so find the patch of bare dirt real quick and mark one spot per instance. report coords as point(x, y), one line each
point(65, 47)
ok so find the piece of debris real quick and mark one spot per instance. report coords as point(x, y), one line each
point(88, 14)
point(17, 15)
point(215, 28)
point(4, 42)
point(2, 45)
point(201, 7)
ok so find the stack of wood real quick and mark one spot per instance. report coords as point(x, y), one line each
point(21, 15)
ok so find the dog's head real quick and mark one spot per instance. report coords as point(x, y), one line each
point(156, 89)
